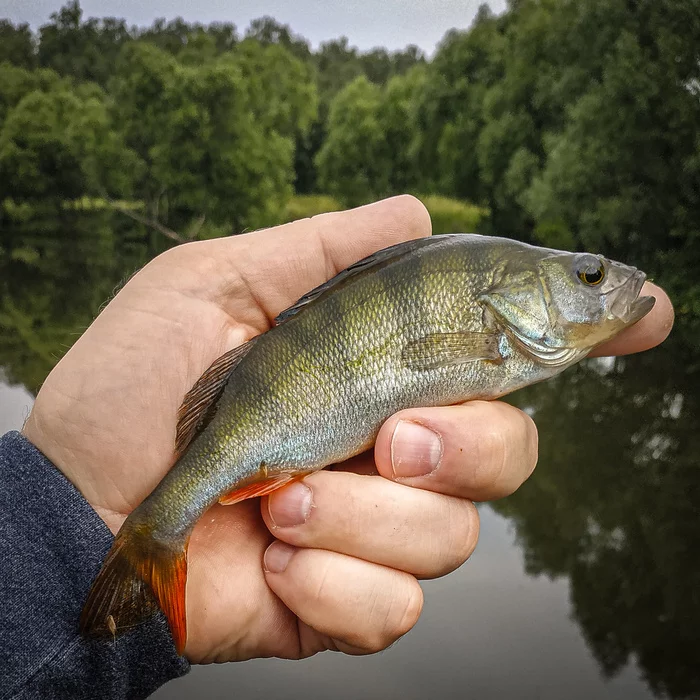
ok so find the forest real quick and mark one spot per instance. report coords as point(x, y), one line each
point(573, 125)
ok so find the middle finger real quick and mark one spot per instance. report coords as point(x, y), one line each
point(422, 533)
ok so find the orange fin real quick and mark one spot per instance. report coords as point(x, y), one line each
point(168, 578)
point(138, 575)
point(198, 406)
point(259, 488)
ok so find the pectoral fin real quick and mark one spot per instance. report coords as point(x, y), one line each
point(443, 349)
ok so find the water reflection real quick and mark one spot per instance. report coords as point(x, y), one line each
point(611, 516)
point(615, 508)
point(54, 276)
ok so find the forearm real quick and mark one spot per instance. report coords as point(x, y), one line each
point(51, 546)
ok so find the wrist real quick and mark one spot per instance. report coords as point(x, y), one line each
point(62, 457)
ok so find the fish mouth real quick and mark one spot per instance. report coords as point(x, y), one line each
point(627, 305)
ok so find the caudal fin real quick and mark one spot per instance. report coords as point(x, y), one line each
point(138, 575)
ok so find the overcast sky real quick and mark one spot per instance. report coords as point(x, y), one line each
point(367, 23)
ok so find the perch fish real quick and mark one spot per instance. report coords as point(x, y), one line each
point(430, 322)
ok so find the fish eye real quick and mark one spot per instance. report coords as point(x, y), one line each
point(590, 270)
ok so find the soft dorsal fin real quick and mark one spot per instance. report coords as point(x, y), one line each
point(197, 408)
point(370, 263)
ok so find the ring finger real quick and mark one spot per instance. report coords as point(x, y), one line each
point(362, 607)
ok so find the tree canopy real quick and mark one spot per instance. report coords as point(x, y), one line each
point(570, 124)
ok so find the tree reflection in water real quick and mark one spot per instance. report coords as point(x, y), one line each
point(615, 506)
point(55, 274)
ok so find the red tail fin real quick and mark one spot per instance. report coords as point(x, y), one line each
point(138, 575)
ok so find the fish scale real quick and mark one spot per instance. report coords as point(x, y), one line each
point(429, 322)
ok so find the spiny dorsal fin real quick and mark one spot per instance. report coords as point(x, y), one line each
point(443, 349)
point(197, 407)
point(371, 262)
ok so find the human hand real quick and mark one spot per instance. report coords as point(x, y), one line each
point(345, 577)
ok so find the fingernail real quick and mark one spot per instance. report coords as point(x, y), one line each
point(277, 557)
point(415, 450)
point(290, 506)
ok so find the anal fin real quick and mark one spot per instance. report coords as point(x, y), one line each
point(259, 488)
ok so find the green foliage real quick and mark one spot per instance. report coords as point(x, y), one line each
point(338, 64)
point(215, 142)
point(17, 45)
point(449, 108)
point(18, 82)
point(84, 50)
point(367, 152)
point(269, 32)
point(191, 43)
point(73, 263)
point(398, 122)
point(447, 215)
point(452, 215)
point(555, 234)
point(351, 163)
point(86, 203)
point(58, 144)
point(17, 212)
point(280, 88)
point(280, 77)
point(305, 206)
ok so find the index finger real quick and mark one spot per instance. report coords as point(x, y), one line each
point(652, 330)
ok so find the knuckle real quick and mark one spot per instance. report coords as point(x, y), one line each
point(463, 529)
point(492, 453)
point(409, 611)
point(167, 257)
point(531, 441)
point(372, 643)
point(319, 588)
point(392, 622)
point(183, 259)
point(506, 450)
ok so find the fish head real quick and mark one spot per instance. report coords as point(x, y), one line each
point(590, 299)
point(558, 306)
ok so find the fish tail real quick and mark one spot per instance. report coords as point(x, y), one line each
point(138, 575)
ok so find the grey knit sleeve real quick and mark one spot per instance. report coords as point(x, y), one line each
point(51, 546)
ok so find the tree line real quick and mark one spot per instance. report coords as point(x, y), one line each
point(574, 125)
